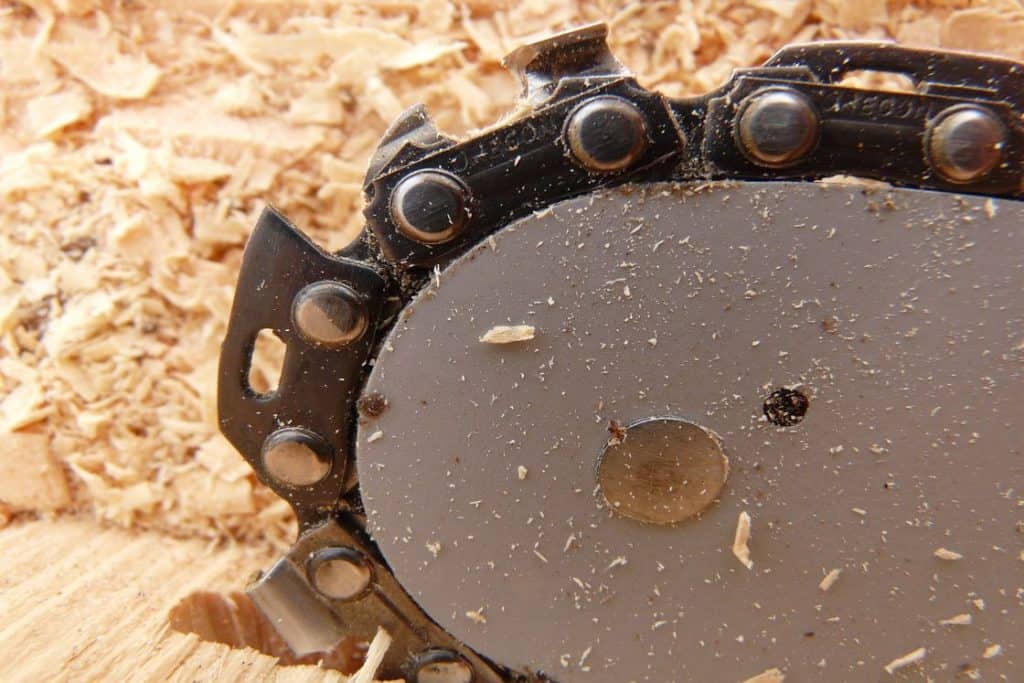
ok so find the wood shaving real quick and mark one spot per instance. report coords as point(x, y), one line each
point(946, 554)
point(521, 472)
point(374, 656)
point(739, 544)
point(773, 675)
point(829, 580)
point(508, 334)
point(992, 651)
point(958, 620)
point(139, 144)
point(30, 477)
point(476, 616)
point(908, 659)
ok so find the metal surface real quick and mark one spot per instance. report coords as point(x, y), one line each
point(312, 620)
point(295, 457)
point(329, 313)
point(441, 666)
point(897, 312)
point(661, 470)
point(777, 126)
point(606, 134)
point(966, 143)
point(587, 125)
point(340, 573)
point(430, 206)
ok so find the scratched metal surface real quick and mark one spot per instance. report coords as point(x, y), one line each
point(900, 314)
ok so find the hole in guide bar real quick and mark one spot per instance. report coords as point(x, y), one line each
point(887, 81)
point(233, 620)
point(786, 407)
point(266, 362)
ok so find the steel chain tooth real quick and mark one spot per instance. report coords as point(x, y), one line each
point(431, 199)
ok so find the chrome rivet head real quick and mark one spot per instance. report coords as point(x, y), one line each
point(606, 134)
point(777, 127)
point(430, 206)
point(329, 313)
point(661, 470)
point(441, 666)
point(339, 573)
point(295, 457)
point(965, 143)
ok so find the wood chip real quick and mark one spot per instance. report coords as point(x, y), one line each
point(992, 651)
point(521, 471)
point(946, 554)
point(476, 616)
point(739, 544)
point(773, 675)
point(374, 656)
point(906, 660)
point(30, 477)
point(958, 620)
point(829, 579)
point(508, 334)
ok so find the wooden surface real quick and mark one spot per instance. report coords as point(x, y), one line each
point(79, 602)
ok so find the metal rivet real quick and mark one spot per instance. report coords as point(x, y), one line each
point(441, 666)
point(339, 573)
point(965, 143)
point(296, 457)
point(606, 134)
point(329, 313)
point(430, 206)
point(777, 127)
point(661, 470)
point(786, 407)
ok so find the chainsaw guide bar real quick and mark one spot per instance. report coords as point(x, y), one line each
point(520, 415)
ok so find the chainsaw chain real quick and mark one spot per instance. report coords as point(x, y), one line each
point(430, 198)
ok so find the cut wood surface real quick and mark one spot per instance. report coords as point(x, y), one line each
point(79, 602)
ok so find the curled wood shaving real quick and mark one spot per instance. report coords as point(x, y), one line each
point(508, 334)
point(908, 659)
point(739, 544)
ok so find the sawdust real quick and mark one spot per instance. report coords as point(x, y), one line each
point(139, 142)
